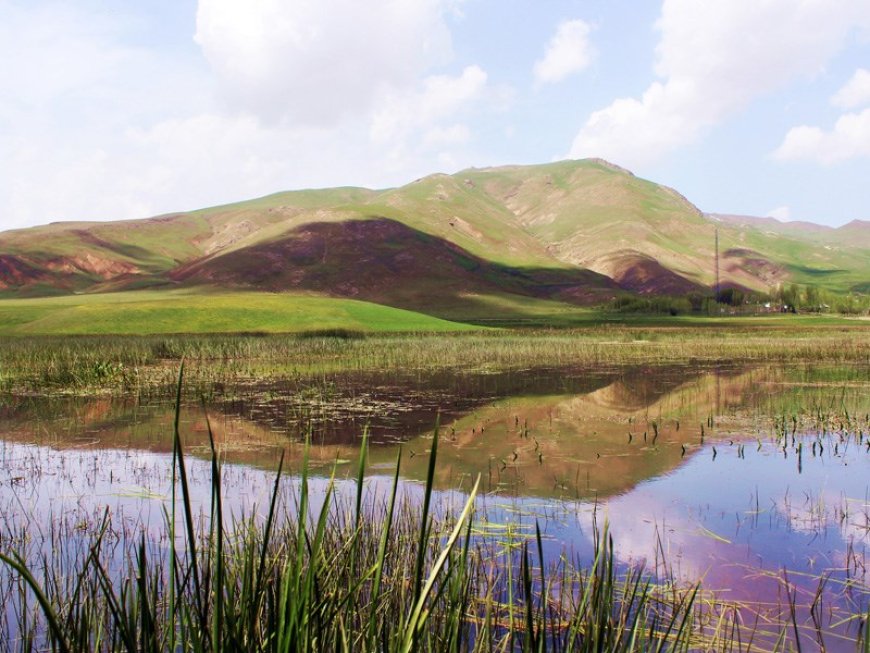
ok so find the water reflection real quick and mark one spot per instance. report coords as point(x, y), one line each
point(570, 433)
point(726, 476)
point(531, 431)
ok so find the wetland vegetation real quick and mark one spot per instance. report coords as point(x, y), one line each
point(132, 364)
point(616, 488)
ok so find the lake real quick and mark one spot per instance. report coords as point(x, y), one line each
point(753, 480)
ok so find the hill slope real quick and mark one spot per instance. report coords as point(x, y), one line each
point(447, 245)
point(806, 253)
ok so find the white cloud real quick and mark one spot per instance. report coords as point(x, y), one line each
point(850, 136)
point(317, 61)
point(399, 114)
point(713, 59)
point(60, 64)
point(94, 128)
point(241, 157)
point(211, 158)
point(568, 52)
point(204, 159)
point(849, 139)
point(855, 93)
point(781, 213)
point(427, 121)
point(438, 137)
point(632, 132)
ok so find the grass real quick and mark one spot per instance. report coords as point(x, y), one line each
point(155, 312)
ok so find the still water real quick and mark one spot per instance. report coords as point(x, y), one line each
point(754, 481)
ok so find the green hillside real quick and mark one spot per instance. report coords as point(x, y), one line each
point(833, 258)
point(451, 246)
point(598, 216)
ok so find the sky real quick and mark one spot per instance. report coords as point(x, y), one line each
point(111, 109)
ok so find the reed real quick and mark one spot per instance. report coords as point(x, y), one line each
point(132, 364)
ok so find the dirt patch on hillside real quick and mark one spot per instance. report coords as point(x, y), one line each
point(92, 265)
point(60, 271)
point(230, 234)
point(737, 261)
point(640, 273)
point(16, 271)
point(464, 227)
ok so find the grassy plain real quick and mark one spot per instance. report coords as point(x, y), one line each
point(158, 312)
point(209, 311)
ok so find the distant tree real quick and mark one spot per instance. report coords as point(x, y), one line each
point(697, 301)
point(732, 296)
point(790, 296)
point(811, 298)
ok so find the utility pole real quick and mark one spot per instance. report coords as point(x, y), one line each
point(716, 287)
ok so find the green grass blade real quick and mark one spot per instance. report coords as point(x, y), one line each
point(418, 613)
point(424, 519)
point(382, 553)
point(360, 477)
point(217, 527)
point(58, 633)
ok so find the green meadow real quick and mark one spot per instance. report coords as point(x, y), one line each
point(162, 312)
point(205, 311)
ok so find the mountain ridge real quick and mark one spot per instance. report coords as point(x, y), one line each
point(579, 231)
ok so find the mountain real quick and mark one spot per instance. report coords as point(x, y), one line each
point(773, 226)
point(579, 232)
point(837, 258)
point(855, 234)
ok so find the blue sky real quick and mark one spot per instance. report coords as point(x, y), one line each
point(112, 109)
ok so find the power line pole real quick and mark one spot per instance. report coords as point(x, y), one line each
point(716, 287)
